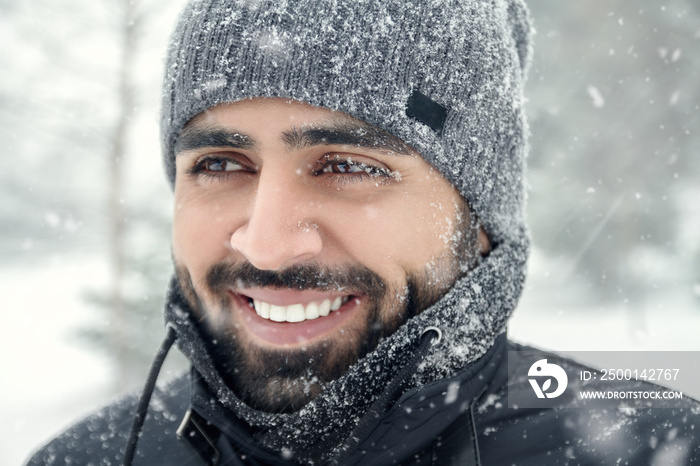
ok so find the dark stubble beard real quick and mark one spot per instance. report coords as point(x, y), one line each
point(284, 380)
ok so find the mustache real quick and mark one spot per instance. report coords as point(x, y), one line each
point(355, 278)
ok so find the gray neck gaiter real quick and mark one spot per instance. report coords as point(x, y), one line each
point(471, 315)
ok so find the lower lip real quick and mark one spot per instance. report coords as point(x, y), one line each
point(292, 333)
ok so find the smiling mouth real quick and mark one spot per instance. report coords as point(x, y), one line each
point(298, 312)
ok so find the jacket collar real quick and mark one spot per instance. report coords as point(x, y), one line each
point(471, 316)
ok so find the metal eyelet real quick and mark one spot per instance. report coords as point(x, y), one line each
point(436, 330)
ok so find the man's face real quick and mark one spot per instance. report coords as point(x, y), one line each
point(302, 237)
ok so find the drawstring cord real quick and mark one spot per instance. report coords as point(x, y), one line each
point(390, 394)
point(431, 336)
point(140, 415)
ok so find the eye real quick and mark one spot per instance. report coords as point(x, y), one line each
point(221, 165)
point(347, 169)
point(344, 166)
point(216, 166)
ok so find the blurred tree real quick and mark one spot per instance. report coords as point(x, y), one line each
point(71, 118)
point(45, 92)
point(138, 274)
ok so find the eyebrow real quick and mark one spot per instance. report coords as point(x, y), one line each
point(196, 137)
point(348, 134)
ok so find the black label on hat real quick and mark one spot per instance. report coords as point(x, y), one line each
point(427, 111)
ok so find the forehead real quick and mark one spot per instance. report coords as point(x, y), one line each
point(246, 123)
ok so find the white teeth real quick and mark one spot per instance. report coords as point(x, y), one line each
point(262, 308)
point(278, 313)
point(312, 311)
point(337, 303)
point(295, 313)
point(324, 308)
point(298, 312)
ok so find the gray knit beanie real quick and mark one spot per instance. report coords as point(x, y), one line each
point(445, 76)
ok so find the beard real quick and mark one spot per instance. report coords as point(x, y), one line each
point(284, 380)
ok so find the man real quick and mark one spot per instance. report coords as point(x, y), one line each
point(349, 243)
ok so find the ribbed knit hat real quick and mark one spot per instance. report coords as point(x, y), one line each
point(445, 76)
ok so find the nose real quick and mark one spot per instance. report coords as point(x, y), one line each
point(279, 229)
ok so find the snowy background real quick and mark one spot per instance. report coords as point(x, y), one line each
point(614, 198)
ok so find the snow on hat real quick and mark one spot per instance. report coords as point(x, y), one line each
point(445, 76)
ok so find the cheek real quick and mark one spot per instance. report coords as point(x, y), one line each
point(200, 233)
point(399, 233)
point(425, 227)
point(374, 234)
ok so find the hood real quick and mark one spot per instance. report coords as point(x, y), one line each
point(471, 315)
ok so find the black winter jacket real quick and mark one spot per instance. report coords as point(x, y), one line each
point(461, 420)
